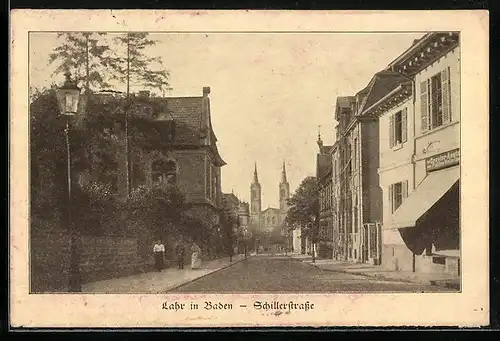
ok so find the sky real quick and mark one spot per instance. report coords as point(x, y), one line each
point(270, 92)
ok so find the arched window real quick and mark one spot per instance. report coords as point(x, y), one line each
point(274, 220)
point(268, 220)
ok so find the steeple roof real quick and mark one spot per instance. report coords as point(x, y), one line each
point(255, 177)
point(283, 174)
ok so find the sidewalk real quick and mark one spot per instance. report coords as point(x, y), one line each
point(158, 282)
point(378, 272)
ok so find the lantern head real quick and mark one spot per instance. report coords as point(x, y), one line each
point(68, 97)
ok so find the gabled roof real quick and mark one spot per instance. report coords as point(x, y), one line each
point(271, 209)
point(400, 93)
point(343, 102)
point(187, 112)
point(381, 84)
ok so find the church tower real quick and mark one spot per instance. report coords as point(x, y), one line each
point(284, 191)
point(255, 199)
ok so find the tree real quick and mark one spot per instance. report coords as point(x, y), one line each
point(135, 66)
point(228, 222)
point(303, 209)
point(82, 54)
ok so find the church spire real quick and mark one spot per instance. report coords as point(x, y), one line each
point(255, 177)
point(320, 141)
point(283, 173)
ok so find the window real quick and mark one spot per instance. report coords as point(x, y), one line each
point(398, 128)
point(355, 213)
point(439, 260)
point(435, 98)
point(355, 155)
point(171, 172)
point(397, 192)
point(274, 220)
point(164, 171)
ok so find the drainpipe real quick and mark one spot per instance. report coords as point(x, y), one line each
point(414, 153)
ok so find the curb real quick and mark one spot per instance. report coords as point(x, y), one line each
point(426, 282)
point(197, 278)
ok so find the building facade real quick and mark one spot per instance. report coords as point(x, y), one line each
point(420, 156)
point(356, 180)
point(324, 178)
point(190, 159)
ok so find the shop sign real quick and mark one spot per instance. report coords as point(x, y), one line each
point(443, 160)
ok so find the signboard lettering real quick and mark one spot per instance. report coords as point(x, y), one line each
point(443, 160)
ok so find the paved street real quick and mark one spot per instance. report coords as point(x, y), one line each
point(266, 273)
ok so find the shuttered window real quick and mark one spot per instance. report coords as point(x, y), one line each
point(446, 95)
point(397, 193)
point(404, 128)
point(391, 131)
point(424, 107)
point(398, 130)
point(435, 100)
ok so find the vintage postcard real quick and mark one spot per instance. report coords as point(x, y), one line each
point(175, 169)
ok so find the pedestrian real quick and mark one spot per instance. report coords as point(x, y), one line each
point(179, 252)
point(195, 256)
point(159, 253)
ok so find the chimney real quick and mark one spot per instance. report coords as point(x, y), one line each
point(206, 91)
point(144, 94)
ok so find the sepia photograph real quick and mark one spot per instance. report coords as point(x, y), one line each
point(196, 170)
point(147, 177)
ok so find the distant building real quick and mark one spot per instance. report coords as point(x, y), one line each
point(325, 193)
point(231, 203)
point(264, 221)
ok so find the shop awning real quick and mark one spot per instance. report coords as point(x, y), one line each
point(428, 193)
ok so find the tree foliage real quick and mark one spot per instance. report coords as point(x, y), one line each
point(131, 64)
point(304, 206)
point(82, 54)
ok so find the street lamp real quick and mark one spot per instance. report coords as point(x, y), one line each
point(68, 97)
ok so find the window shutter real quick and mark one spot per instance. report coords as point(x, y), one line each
point(390, 198)
point(424, 106)
point(391, 131)
point(404, 129)
point(404, 189)
point(445, 88)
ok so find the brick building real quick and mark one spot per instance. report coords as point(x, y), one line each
point(357, 135)
point(191, 160)
point(325, 192)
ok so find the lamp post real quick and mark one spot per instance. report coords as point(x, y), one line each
point(245, 240)
point(68, 97)
point(312, 231)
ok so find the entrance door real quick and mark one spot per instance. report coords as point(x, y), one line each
point(364, 244)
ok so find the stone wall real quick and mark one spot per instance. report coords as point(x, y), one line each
point(49, 261)
point(108, 257)
point(100, 258)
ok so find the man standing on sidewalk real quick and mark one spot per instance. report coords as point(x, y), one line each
point(159, 253)
point(179, 252)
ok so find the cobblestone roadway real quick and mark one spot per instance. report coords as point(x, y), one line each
point(283, 274)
